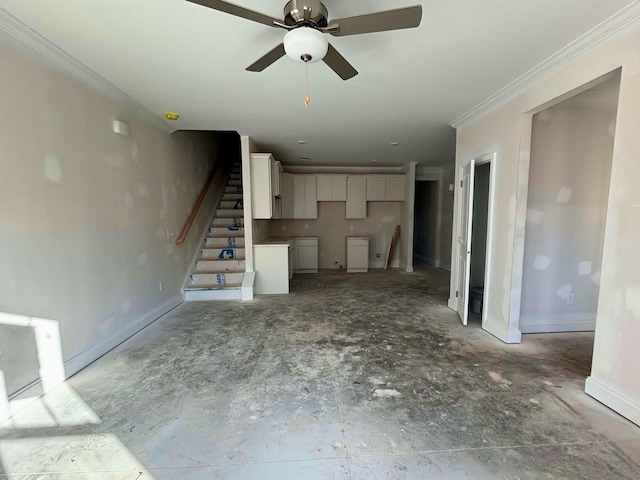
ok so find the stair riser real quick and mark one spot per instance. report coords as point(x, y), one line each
point(229, 213)
point(216, 279)
point(234, 183)
point(224, 242)
point(213, 294)
point(226, 232)
point(231, 205)
point(235, 176)
point(222, 254)
point(230, 266)
point(233, 190)
point(231, 197)
point(224, 223)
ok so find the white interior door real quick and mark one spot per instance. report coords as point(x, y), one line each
point(464, 240)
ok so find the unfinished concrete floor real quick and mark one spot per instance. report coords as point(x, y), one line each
point(365, 376)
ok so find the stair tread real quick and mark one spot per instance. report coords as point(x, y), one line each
point(213, 286)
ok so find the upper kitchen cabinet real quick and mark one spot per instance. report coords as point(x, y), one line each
point(265, 186)
point(386, 188)
point(356, 197)
point(331, 188)
point(286, 191)
point(305, 203)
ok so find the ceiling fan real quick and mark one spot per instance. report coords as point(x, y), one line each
point(307, 22)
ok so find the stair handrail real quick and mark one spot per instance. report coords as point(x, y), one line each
point(198, 204)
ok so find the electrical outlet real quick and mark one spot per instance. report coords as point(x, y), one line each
point(378, 255)
point(352, 227)
point(284, 228)
point(306, 226)
point(160, 286)
point(571, 299)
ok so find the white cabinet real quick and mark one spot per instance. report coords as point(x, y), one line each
point(357, 254)
point(305, 204)
point(272, 264)
point(386, 188)
point(331, 188)
point(306, 253)
point(356, 197)
point(286, 193)
point(265, 202)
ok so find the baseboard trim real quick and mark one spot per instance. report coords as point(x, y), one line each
point(615, 400)
point(77, 363)
point(84, 359)
point(507, 336)
point(557, 325)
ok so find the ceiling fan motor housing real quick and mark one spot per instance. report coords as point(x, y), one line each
point(305, 12)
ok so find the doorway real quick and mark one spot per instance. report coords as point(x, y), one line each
point(476, 190)
point(568, 188)
point(425, 232)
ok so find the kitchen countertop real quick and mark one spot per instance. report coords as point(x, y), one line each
point(276, 242)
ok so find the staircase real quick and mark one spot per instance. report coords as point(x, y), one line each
point(219, 270)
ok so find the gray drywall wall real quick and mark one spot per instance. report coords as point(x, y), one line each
point(85, 212)
point(571, 154)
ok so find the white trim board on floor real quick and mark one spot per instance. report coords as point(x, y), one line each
point(77, 363)
point(617, 401)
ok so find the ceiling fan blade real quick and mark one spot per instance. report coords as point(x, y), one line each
point(398, 19)
point(338, 64)
point(241, 12)
point(267, 60)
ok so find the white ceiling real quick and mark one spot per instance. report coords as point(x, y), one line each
point(171, 55)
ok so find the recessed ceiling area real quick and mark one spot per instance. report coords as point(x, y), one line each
point(176, 56)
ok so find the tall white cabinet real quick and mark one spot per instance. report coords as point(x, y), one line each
point(356, 207)
point(305, 203)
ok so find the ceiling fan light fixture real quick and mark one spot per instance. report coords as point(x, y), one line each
point(306, 45)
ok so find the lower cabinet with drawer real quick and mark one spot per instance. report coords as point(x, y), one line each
point(306, 252)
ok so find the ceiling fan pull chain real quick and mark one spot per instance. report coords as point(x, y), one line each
point(307, 99)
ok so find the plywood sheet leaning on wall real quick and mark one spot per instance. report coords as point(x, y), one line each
point(392, 247)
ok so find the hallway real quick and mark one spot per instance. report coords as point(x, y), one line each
point(351, 376)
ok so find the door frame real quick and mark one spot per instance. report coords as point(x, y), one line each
point(492, 159)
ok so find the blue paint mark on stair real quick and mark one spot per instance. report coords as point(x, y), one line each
point(234, 229)
point(221, 279)
point(239, 189)
point(231, 242)
point(227, 253)
point(238, 204)
point(237, 222)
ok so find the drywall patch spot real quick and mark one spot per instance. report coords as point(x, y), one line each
point(143, 190)
point(115, 160)
point(126, 306)
point(129, 200)
point(52, 167)
point(135, 154)
point(632, 299)
point(534, 216)
point(564, 195)
point(541, 262)
point(564, 291)
point(584, 268)
point(142, 259)
point(595, 277)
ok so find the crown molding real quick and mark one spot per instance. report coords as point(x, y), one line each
point(39, 49)
point(612, 25)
